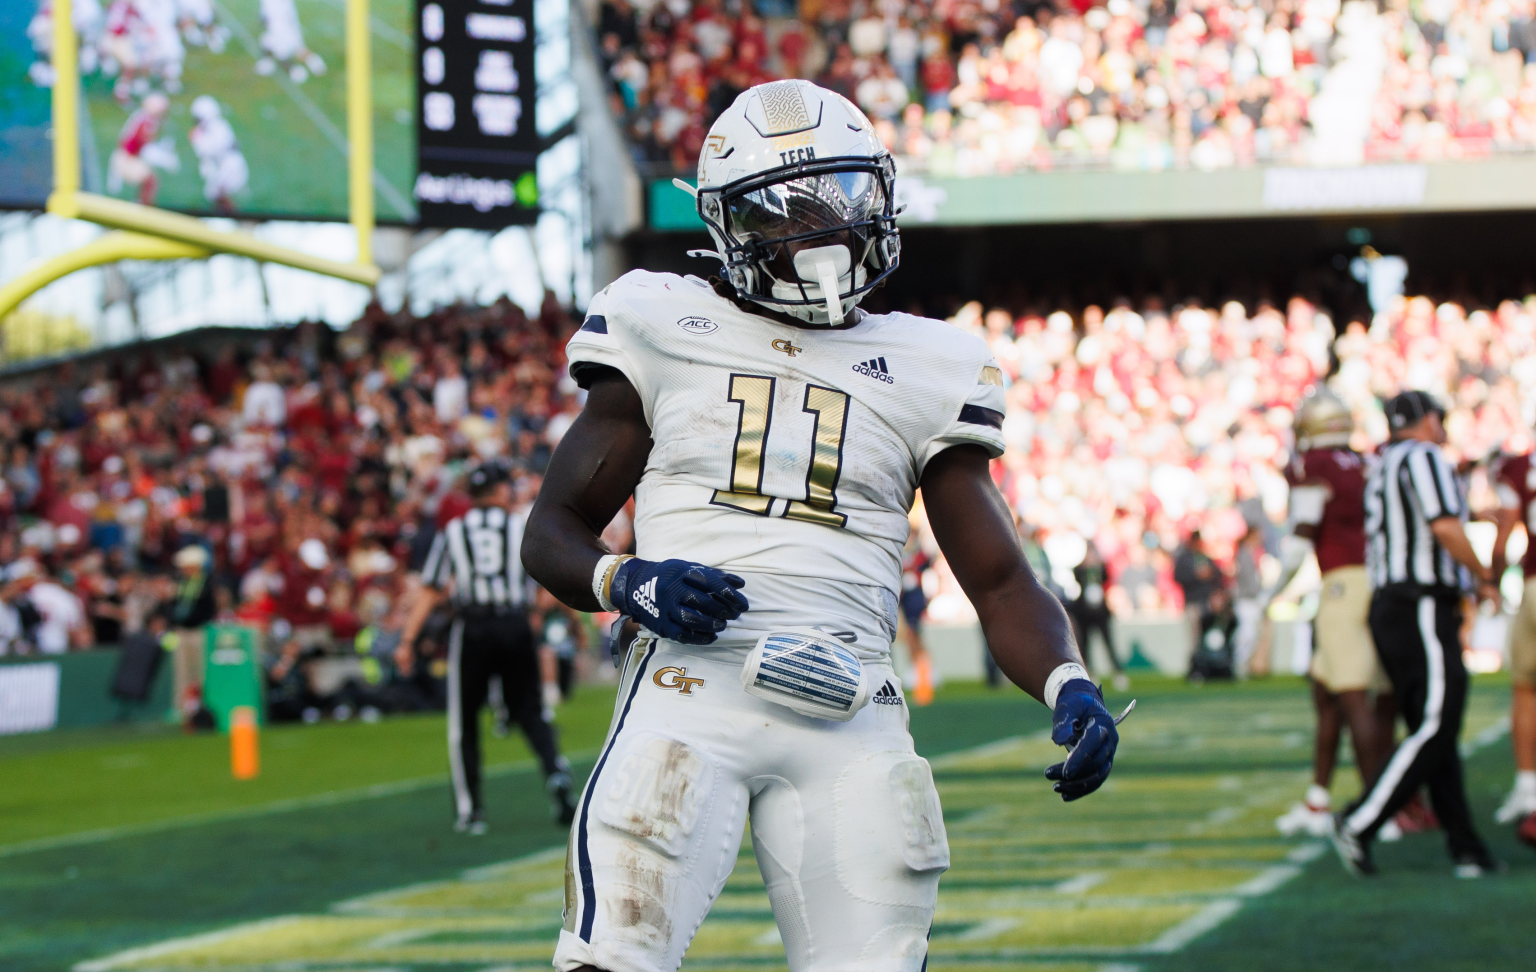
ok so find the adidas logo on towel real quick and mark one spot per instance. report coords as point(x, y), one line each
point(875, 368)
point(887, 695)
point(645, 596)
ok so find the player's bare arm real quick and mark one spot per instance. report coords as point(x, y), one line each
point(591, 475)
point(1506, 518)
point(1026, 628)
point(593, 472)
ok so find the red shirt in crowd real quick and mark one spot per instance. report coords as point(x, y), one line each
point(1339, 536)
point(303, 602)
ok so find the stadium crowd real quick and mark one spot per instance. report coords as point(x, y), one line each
point(1132, 427)
point(957, 87)
point(306, 471)
point(309, 470)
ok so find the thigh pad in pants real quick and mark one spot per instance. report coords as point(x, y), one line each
point(852, 862)
point(659, 839)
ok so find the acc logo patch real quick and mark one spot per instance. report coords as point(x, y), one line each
point(698, 325)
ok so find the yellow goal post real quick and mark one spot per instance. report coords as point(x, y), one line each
point(150, 233)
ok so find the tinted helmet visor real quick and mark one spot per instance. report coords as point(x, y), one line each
point(773, 220)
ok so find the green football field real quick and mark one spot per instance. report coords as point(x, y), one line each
point(132, 849)
point(293, 134)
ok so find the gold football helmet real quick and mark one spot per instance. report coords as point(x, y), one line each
point(1323, 421)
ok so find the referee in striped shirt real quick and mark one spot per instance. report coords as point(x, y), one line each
point(476, 556)
point(1421, 565)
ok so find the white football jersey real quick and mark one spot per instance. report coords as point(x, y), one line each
point(788, 455)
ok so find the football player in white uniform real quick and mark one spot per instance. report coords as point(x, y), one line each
point(219, 159)
point(774, 436)
point(282, 43)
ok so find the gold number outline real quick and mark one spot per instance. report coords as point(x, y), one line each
point(822, 477)
point(736, 498)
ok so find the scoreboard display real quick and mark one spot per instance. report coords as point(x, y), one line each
point(477, 145)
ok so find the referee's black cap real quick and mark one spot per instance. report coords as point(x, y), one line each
point(484, 478)
point(1407, 408)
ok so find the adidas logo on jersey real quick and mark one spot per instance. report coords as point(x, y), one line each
point(645, 596)
point(875, 368)
point(887, 695)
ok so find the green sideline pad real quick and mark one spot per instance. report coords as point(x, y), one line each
point(1175, 865)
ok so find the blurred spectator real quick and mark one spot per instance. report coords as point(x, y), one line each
point(264, 402)
point(1200, 579)
point(1248, 603)
point(1090, 613)
point(561, 633)
point(187, 613)
point(47, 614)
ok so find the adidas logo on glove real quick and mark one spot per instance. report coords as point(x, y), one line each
point(645, 596)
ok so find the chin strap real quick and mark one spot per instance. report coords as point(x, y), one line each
point(826, 272)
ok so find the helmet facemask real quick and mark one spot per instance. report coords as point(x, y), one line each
point(808, 239)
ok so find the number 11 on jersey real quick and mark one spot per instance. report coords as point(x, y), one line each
point(754, 393)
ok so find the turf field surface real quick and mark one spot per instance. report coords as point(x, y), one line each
point(292, 134)
point(1174, 865)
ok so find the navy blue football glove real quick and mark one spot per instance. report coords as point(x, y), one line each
point(1082, 723)
point(678, 600)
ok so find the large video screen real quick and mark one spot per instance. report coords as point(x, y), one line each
point(213, 107)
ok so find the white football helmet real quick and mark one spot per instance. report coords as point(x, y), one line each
point(798, 194)
point(205, 108)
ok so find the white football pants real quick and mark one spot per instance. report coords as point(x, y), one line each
point(846, 822)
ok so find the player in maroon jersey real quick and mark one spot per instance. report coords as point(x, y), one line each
point(129, 164)
point(1515, 480)
point(1327, 480)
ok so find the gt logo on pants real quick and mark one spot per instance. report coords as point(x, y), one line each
point(676, 678)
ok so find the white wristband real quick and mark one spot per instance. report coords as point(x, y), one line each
point(602, 578)
point(1061, 676)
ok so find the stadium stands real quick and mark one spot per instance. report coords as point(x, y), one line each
point(960, 88)
point(355, 440)
point(1127, 427)
point(1130, 427)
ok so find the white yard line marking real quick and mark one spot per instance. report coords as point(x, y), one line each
point(266, 924)
point(1487, 737)
point(484, 872)
point(1191, 928)
point(991, 928)
point(190, 941)
point(261, 810)
point(384, 31)
point(1081, 884)
point(1000, 747)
